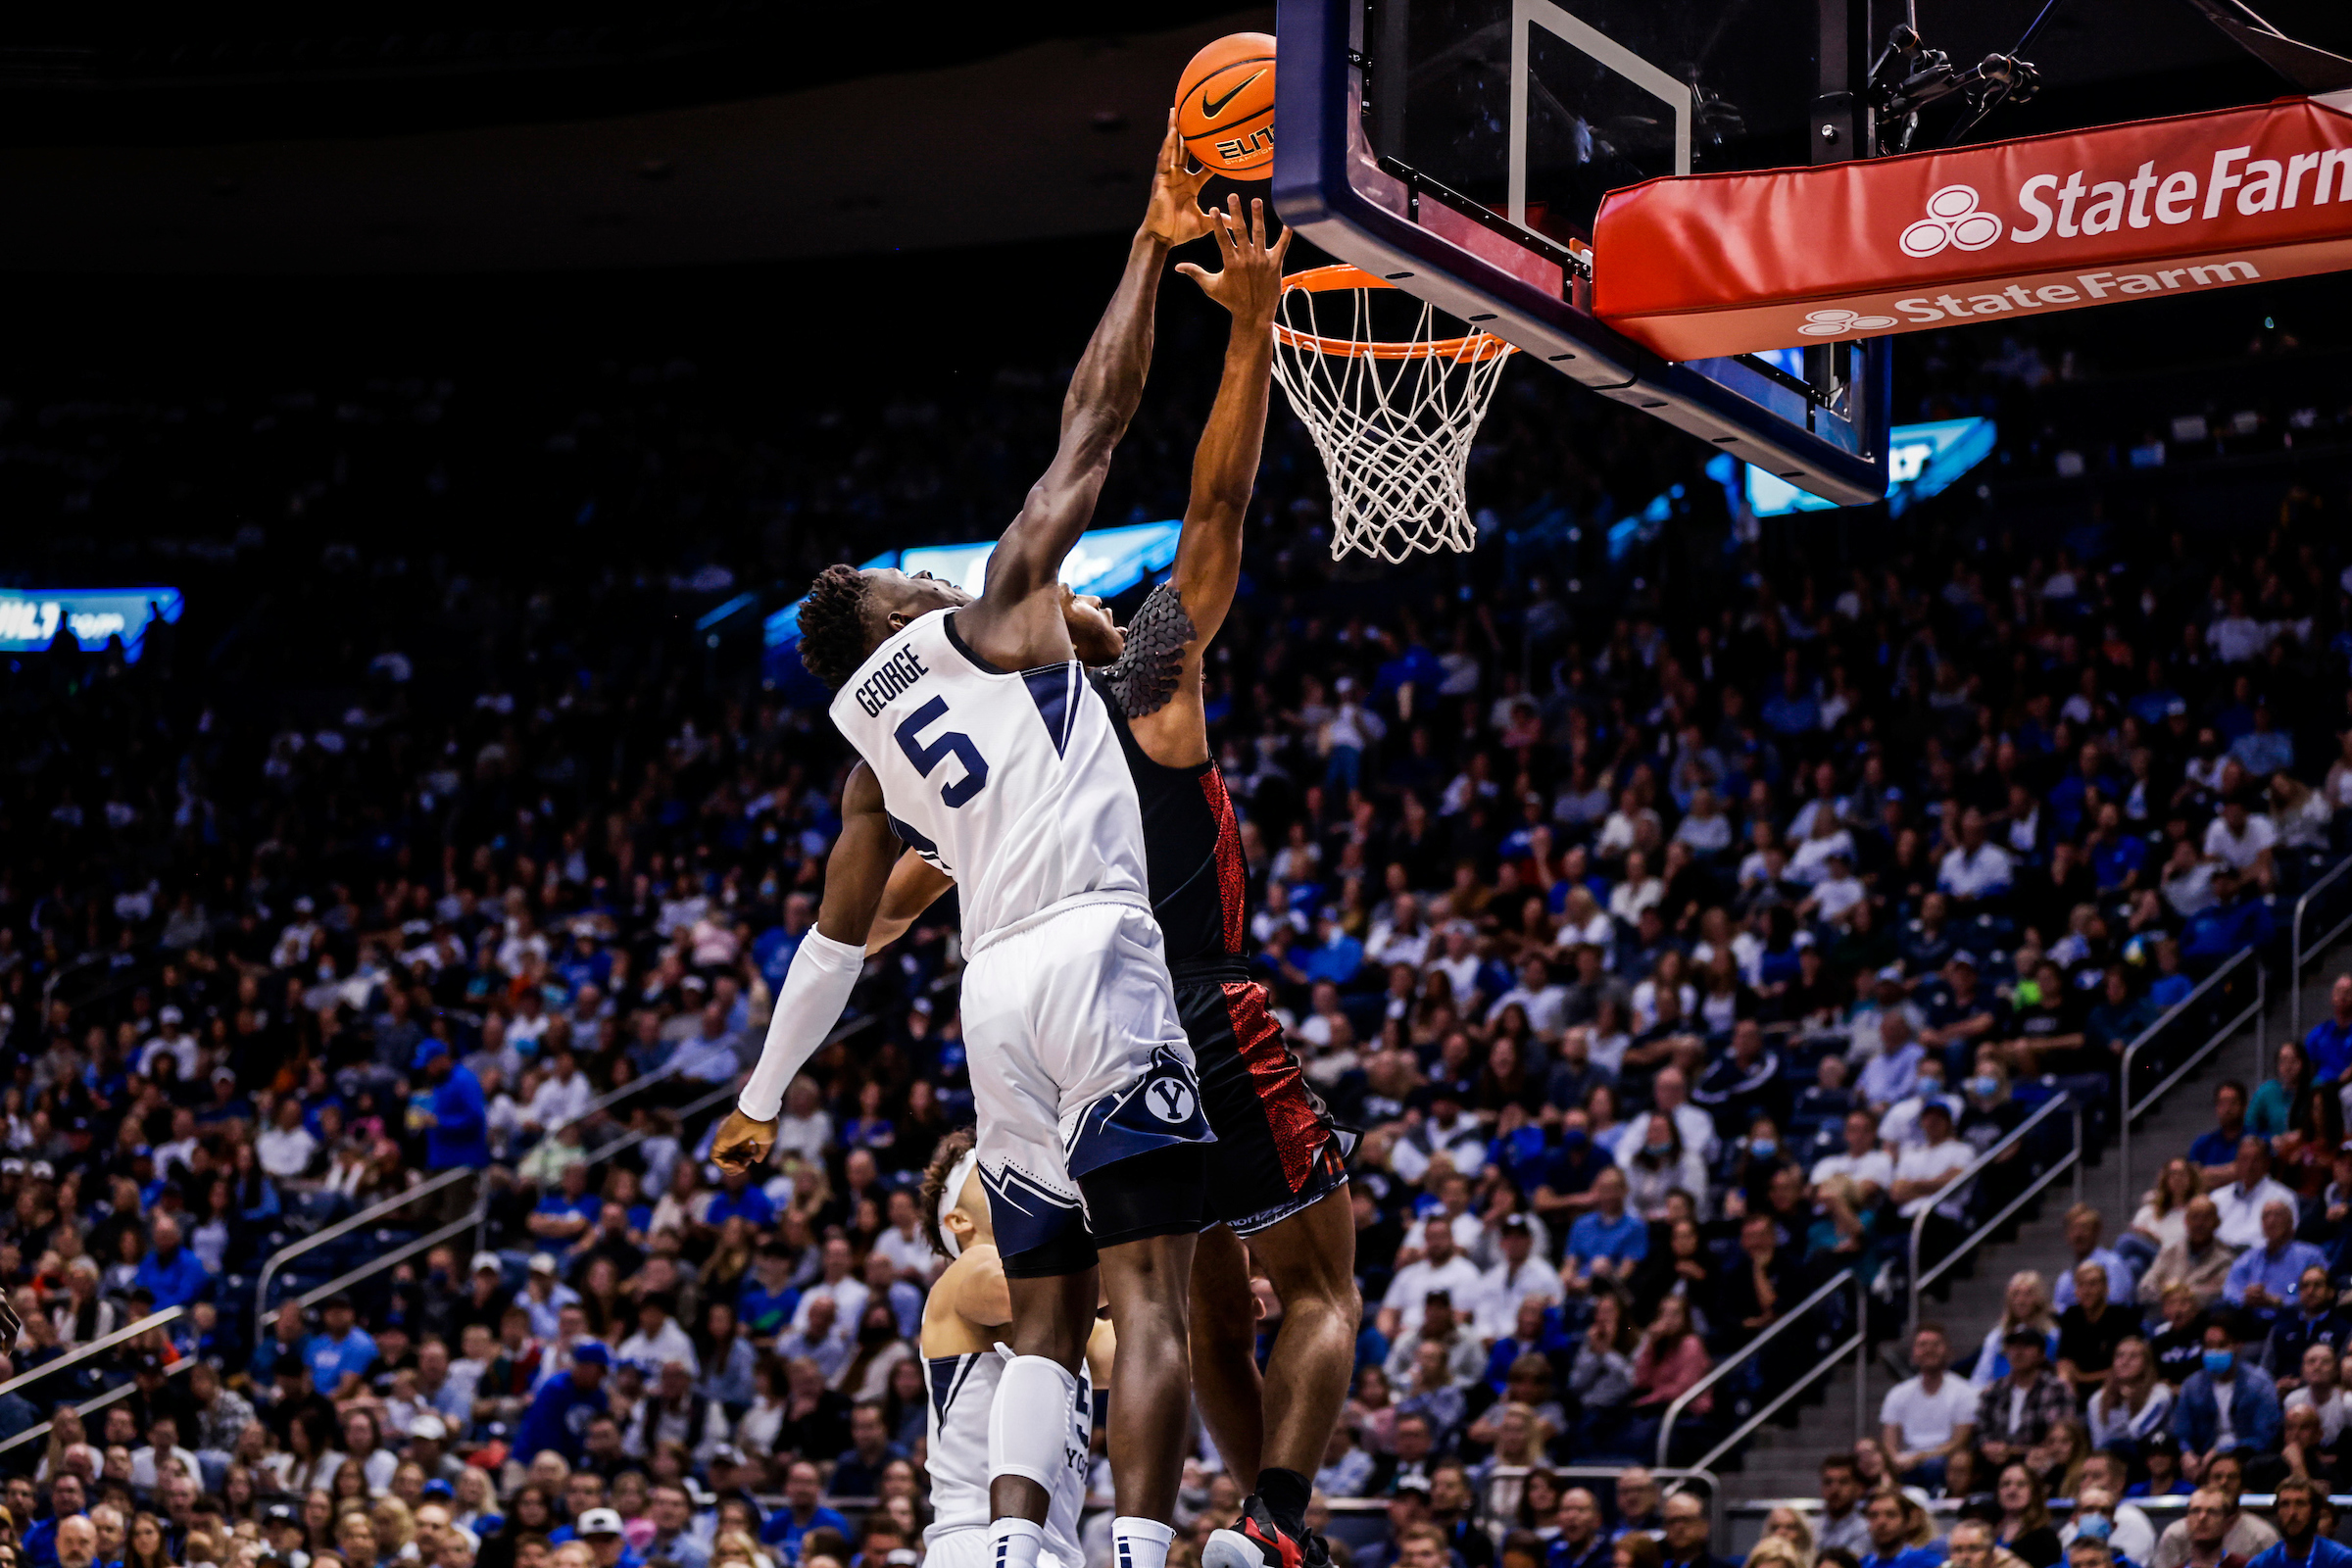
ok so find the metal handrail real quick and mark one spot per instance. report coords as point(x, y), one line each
point(93, 1406)
point(479, 1212)
point(2294, 973)
point(341, 1228)
point(402, 1200)
point(634, 1085)
point(376, 1265)
point(475, 1216)
point(2123, 1094)
point(1795, 1314)
point(1920, 1280)
point(1858, 1343)
point(96, 1347)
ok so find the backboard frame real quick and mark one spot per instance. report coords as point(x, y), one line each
point(1825, 432)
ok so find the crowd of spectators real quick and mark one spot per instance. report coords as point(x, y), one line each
point(1672, 953)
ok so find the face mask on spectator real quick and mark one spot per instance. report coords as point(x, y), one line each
point(2095, 1527)
point(2218, 1362)
point(1762, 1148)
point(1576, 1139)
point(1984, 1086)
point(1657, 1150)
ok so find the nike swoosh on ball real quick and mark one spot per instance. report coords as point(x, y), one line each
point(1210, 110)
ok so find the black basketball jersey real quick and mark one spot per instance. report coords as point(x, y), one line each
point(1192, 852)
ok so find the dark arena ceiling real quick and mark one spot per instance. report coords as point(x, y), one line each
point(441, 136)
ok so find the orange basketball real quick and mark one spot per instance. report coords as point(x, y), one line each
point(1225, 106)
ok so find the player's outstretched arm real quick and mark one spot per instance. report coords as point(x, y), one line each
point(823, 974)
point(1208, 552)
point(1017, 621)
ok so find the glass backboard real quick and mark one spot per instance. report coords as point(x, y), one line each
point(1460, 149)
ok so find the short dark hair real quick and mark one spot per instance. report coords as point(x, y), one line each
point(1840, 1461)
point(833, 641)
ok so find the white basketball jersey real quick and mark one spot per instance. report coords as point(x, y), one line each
point(1012, 782)
point(962, 1388)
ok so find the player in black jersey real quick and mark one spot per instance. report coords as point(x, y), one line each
point(1279, 1166)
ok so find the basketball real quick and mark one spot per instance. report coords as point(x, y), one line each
point(1225, 106)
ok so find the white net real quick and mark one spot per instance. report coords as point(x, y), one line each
point(1394, 419)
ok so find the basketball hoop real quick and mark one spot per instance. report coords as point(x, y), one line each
point(1393, 418)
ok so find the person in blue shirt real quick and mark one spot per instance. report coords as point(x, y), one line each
point(2256, 1422)
point(601, 1530)
point(1336, 955)
point(737, 1196)
point(2296, 1509)
point(1570, 1170)
point(1608, 1241)
point(1888, 1516)
point(459, 1134)
point(564, 1215)
point(66, 1499)
point(802, 1512)
point(2170, 987)
point(2267, 1279)
point(2218, 1150)
point(341, 1353)
point(2227, 925)
point(169, 1272)
point(2070, 797)
point(2330, 1042)
point(765, 1301)
point(773, 948)
point(2261, 750)
point(558, 1418)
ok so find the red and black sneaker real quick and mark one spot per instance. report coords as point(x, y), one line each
point(1256, 1541)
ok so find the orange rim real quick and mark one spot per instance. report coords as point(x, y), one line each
point(1471, 348)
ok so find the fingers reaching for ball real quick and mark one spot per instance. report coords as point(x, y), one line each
point(1174, 215)
point(1251, 283)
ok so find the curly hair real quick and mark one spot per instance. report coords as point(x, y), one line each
point(951, 1149)
point(833, 641)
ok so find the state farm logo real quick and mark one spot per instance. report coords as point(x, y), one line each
point(1829, 324)
point(1953, 221)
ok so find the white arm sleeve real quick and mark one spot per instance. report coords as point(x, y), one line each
point(809, 1004)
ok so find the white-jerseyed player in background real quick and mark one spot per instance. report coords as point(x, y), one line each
point(984, 747)
point(965, 1317)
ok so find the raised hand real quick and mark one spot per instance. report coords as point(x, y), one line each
point(1251, 284)
point(742, 1142)
point(1175, 215)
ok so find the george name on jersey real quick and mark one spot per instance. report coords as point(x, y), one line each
point(902, 670)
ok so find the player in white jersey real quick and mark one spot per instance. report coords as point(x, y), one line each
point(1279, 1174)
point(984, 747)
point(964, 1317)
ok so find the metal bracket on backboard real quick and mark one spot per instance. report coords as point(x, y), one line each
point(1674, 94)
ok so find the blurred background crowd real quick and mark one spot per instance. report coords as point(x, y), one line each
point(1679, 912)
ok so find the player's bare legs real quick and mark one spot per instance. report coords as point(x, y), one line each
point(1148, 1282)
point(1282, 1422)
point(1225, 1375)
point(1310, 1259)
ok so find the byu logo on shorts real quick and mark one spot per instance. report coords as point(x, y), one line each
point(1171, 1100)
point(1952, 220)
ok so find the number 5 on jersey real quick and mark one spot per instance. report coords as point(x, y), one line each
point(950, 743)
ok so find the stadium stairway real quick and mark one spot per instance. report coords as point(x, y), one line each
point(1784, 1462)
